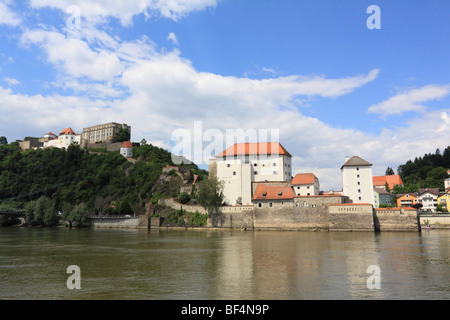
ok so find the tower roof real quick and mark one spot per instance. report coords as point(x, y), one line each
point(304, 178)
point(126, 144)
point(356, 161)
point(67, 131)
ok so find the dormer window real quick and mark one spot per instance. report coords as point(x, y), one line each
point(280, 194)
point(264, 194)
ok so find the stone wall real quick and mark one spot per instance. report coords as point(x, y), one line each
point(437, 221)
point(105, 222)
point(396, 219)
point(351, 217)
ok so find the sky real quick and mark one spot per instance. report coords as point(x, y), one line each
point(325, 78)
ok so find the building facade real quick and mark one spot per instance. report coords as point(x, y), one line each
point(243, 164)
point(103, 132)
point(381, 197)
point(428, 198)
point(391, 180)
point(63, 140)
point(407, 200)
point(126, 149)
point(357, 180)
point(305, 184)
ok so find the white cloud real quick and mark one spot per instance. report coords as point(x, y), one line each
point(7, 16)
point(411, 100)
point(172, 37)
point(74, 56)
point(97, 11)
point(11, 81)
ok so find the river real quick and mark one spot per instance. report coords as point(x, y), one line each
point(223, 264)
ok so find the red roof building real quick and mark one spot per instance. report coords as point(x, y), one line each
point(392, 181)
point(260, 148)
point(264, 192)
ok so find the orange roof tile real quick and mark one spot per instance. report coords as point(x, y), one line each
point(67, 131)
point(126, 144)
point(304, 178)
point(260, 148)
point(264, 192)
point(392, 181)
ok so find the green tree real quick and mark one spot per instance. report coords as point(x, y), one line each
point(184, 198)
point(389, 171)
point(3, 140)
point(123, 135)
point(78, 216)
point(210, 194)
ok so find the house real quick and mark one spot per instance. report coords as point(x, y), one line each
point(244, 164)
point(444, 200)
point(273, 196)
point(428, 197)
point(63, 140)
point(126, 149)
point(305, 184)
point(381, 197)
point(392, 181)
point(407, 200)
point(357, 180)
point(447, 184)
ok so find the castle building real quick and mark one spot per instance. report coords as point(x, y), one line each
point(357, 180)
point(63, 140)
point(103, 132)
point(246, 164)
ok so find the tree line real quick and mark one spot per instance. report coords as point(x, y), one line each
point(72, 183)
point(427, 171)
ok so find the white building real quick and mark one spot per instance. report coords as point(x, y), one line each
point(428, 198)
point(103, 132)
point(357, 180)
point(245, 163)
point(305, 184)
point(64, 140)
point(126, 149)
point(447, 184)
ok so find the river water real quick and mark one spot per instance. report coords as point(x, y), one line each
point(223, 264)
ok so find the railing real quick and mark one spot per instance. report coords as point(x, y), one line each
point(115, 217)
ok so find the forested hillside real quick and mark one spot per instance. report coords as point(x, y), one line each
point(428, 171)
point(71, 179)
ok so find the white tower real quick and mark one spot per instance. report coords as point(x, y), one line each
point(357, 181)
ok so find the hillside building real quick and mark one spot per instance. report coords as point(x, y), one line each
point(379, 182)
point(103, 132)
point(63, 140)
point(126, 149)
point(428, 197)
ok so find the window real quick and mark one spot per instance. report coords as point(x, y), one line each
point(307, 187)
point(274, 172)
point(298, 188)
point(228, 165)
point(357, 169)
point(259, 204)
point(274, 164)
point(255, 164)
point(359, 198)
point(255, 172)
point(270, 204)
point(359, 190)
point(234, 173)
point(357, 175)
point(359, 183)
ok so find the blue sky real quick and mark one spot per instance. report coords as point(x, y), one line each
point(310, 69)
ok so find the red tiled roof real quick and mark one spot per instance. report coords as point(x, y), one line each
point(260, 148)
point(67, 131)
point(304, 178)
point(126, 144)
point(264, 192)
point(392, 181)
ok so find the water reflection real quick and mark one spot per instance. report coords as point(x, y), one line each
point(210, 264)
